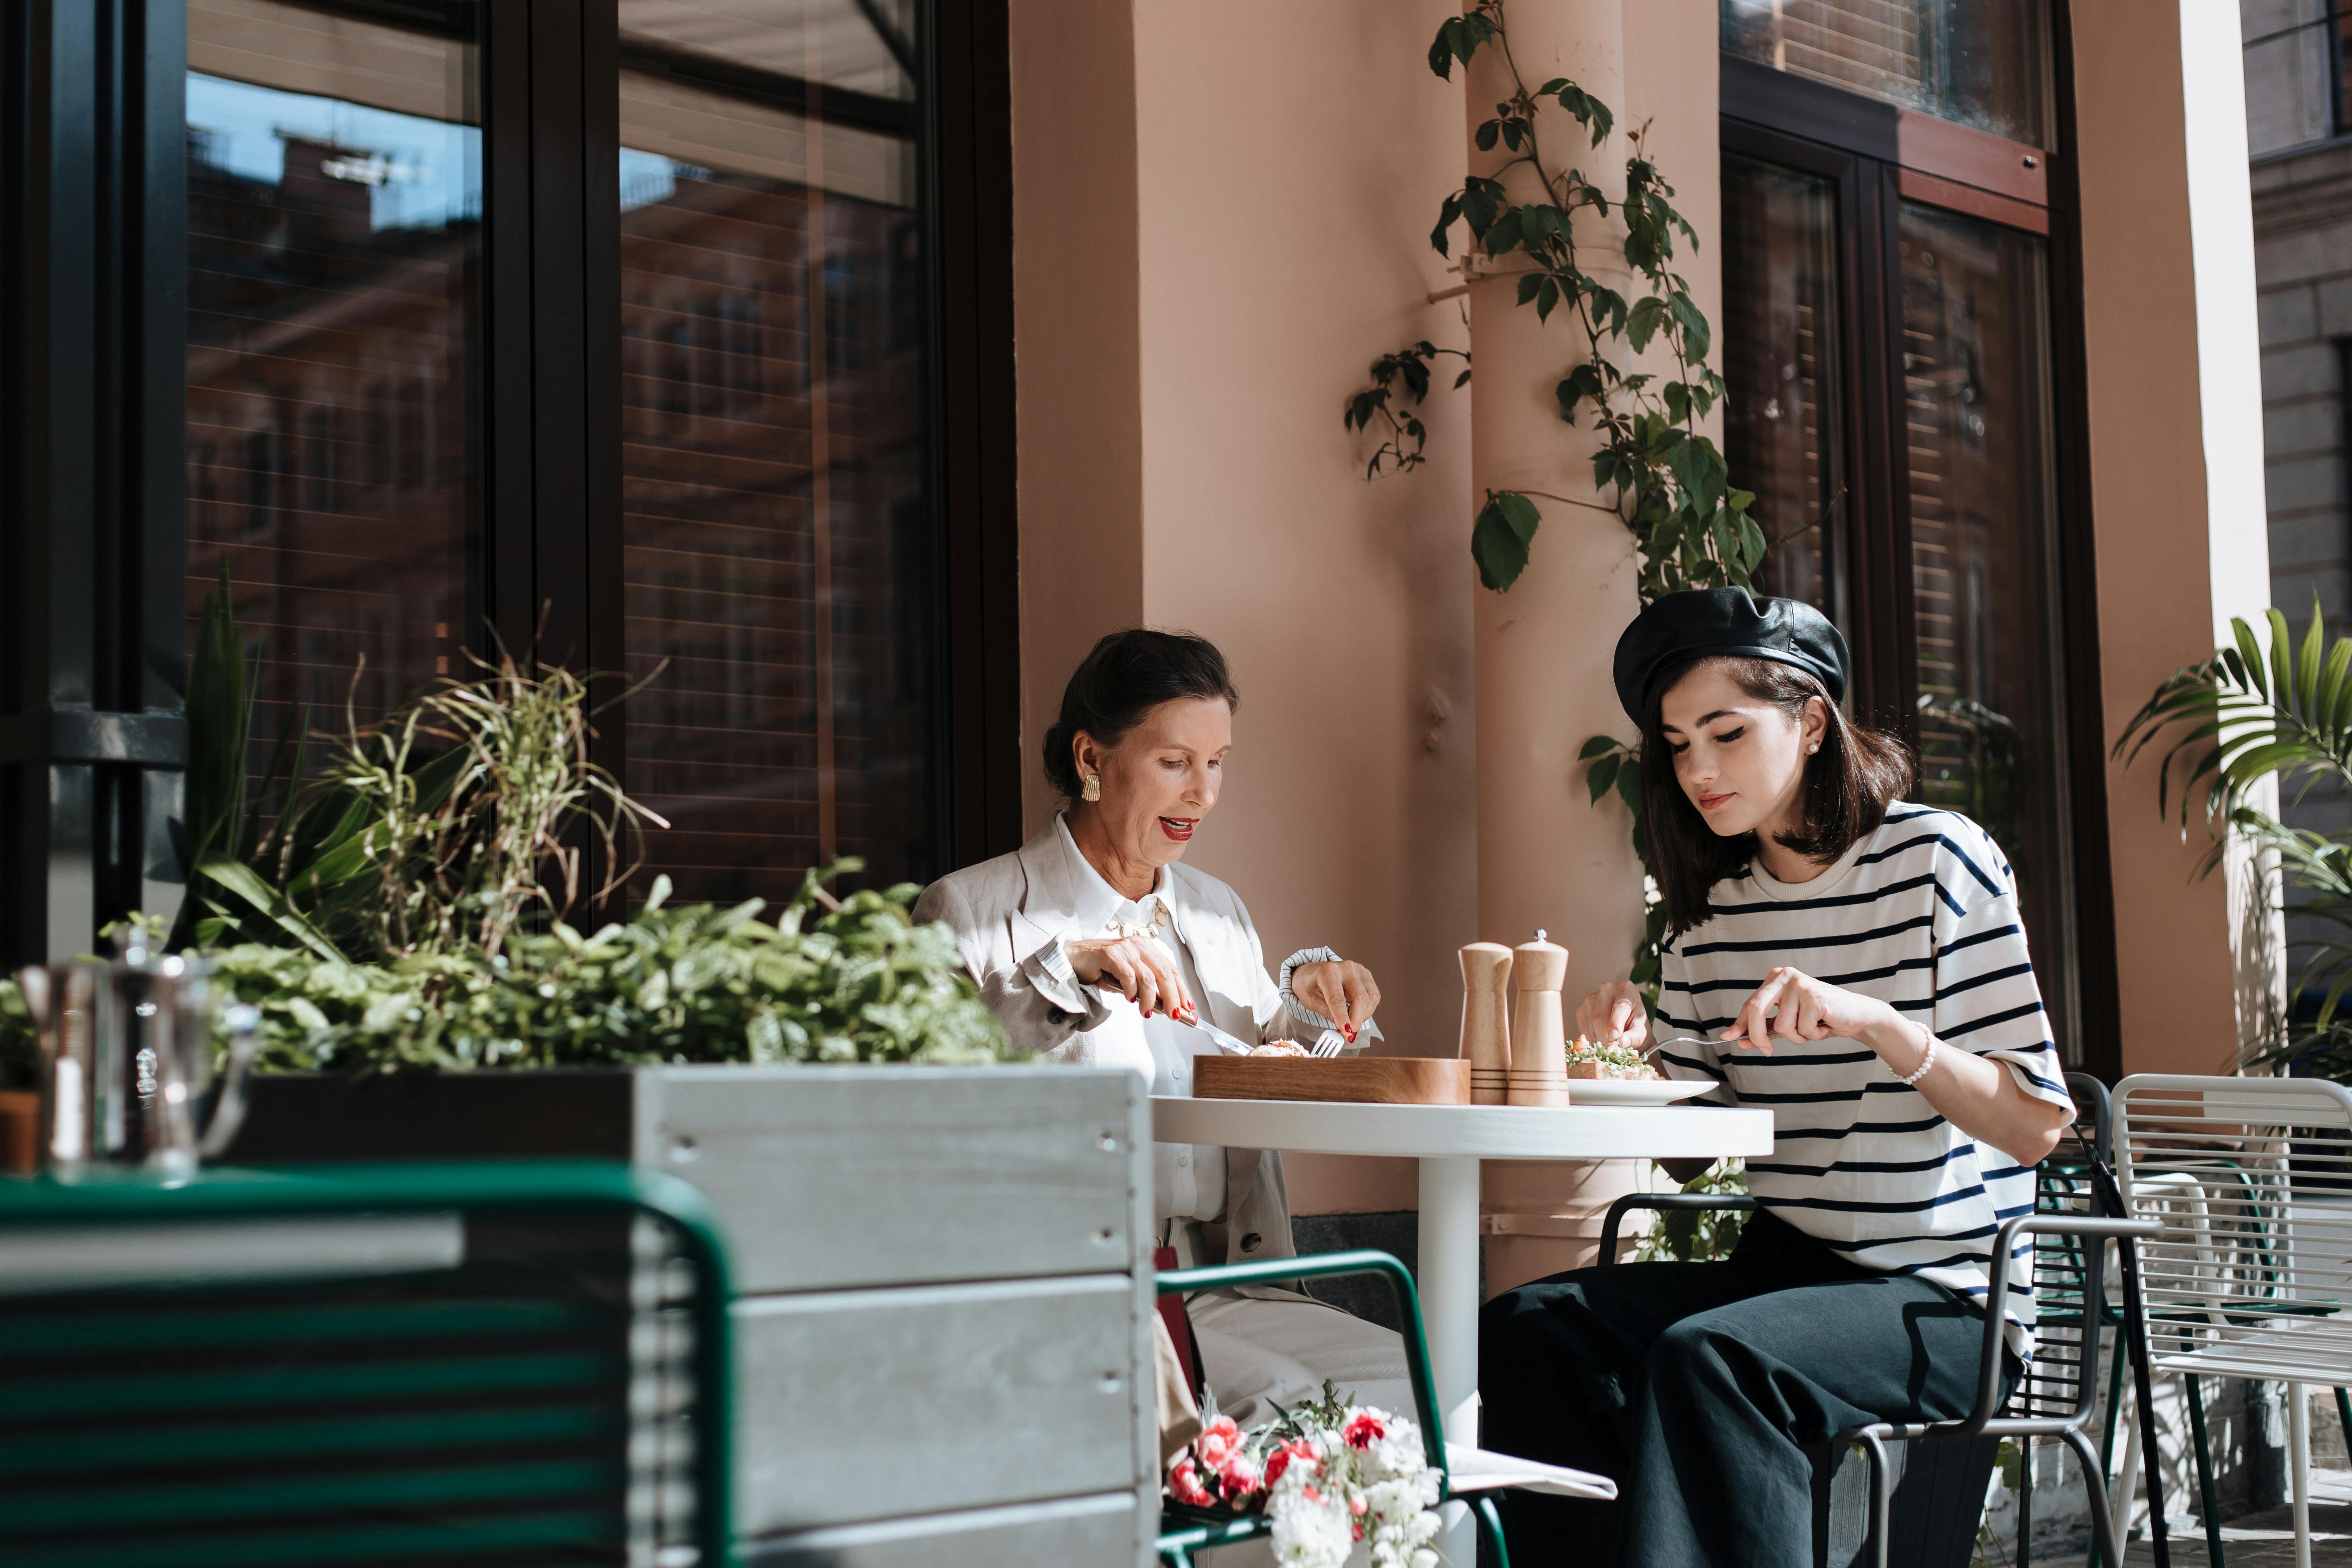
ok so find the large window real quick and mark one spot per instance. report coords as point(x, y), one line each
point(775, 550)
point(1891, 352)
point(669, 339)
point(335, 243)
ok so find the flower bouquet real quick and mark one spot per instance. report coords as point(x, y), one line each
point(1327, 1476)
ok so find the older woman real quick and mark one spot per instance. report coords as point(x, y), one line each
point(1097, 947)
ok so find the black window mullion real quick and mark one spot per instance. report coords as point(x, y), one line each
point(510, 592)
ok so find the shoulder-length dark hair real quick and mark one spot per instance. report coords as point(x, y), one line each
point(1124, 677)
point(1849, 784)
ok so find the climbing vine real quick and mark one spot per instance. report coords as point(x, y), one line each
point(1664, 479)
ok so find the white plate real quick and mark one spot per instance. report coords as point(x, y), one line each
point(1635, 1090)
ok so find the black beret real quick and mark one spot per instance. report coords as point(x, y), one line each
point(1725, 623)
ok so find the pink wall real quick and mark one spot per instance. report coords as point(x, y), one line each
point(2149, 513)
point(1077, 348)
point(1272, 184)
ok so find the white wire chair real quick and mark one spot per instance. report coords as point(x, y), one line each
point(2251, 1180)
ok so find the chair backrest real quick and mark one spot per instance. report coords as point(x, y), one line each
point(2060, 1381)
point(476, 1366)
point(2252, 1178)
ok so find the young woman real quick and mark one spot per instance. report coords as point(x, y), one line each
point(1857, 964)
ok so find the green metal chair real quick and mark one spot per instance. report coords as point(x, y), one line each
point(482, 1365)
point(1184, 1530)
point(2058, 1396)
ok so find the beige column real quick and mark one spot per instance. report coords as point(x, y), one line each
point(1547, 858)
point(2176, 513)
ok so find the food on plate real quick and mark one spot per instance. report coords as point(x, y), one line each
point(1586, 1059)
point(1279, 1048)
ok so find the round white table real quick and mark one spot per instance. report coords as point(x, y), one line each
point(1450, 1141)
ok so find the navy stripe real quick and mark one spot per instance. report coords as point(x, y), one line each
point(1844, 1205)
point(2011, 972)
point(1853, 978)
point(1826, 1095)
point(1948, 842)
point(1841, 900)
point(1973, 1025)
point(1803, 943)
point(1888, 1167)
point(1776, 1060)
point(1977, 938)
point(1858, 1127)
point(1725, 1020)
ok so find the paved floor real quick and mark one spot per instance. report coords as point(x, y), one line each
point(2260, 1540)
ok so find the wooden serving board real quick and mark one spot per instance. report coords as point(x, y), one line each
point(1384, 1080)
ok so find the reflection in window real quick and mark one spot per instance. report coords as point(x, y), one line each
point(1983, 63)
point(1783, 418)
point(777, 544)
point(1975, 383)
point(2294, 74)
point(334, 206)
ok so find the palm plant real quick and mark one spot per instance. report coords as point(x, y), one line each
point(2277, 712)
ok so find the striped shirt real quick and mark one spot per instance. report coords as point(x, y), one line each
point(1922, 914)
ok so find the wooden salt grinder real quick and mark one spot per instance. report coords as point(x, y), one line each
point(1486, 1027)
point(1539, 1027)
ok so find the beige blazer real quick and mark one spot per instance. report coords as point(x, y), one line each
point(1009, 916)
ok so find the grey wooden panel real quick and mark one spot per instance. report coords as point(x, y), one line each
point(834, 1177)
point(854, 1405)
point(1071, 1533)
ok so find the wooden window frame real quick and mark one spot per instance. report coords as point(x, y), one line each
point(93, 410)
point(1880, 155)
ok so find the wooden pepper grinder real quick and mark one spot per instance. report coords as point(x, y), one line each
point(1539, 1027)
point(1486, 1027)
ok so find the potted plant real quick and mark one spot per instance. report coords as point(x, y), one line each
point(918, 1229)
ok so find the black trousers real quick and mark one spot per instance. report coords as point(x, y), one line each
point(1697, 1388)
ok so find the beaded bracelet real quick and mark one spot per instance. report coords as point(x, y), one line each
point(1925, 1063)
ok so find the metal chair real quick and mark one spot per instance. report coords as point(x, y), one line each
point(2059, 1393)
point(1184, 1530)
point(2251, 1182)
point(483, 1364)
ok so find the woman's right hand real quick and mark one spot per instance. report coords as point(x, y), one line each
point(1136, 966)
point(1614, 1015)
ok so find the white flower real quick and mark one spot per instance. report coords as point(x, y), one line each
point(1311, 1527)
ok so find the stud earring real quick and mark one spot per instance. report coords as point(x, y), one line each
point(1093, 790)
point(1813, 748)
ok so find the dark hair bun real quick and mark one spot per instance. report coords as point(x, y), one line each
point(1123, 678)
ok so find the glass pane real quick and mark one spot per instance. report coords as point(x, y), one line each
point(334, 208)
point(1975, 406)
point(1784, 419)
point(2290, 76)
point(1983, 63)
point(778, 546)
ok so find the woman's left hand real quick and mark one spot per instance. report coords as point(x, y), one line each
point(1795, 1005)
point(1341, 992)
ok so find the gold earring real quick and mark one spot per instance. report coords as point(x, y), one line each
point(1093, 790)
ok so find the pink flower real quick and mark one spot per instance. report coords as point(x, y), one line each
point(1218, 1442)
point(1240, 1478)
point(1310, 1494)
point(1356, 1532)
point(1358, 1504)
point(1184, 1484)
point(1364, 1431)
point(1280, 1460)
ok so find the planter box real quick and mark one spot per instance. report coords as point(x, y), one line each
point(942, 1275)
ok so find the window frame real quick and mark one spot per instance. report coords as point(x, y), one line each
point(1879, 156)
point(93, 409)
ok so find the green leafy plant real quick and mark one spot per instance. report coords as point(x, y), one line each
point(858, 983)
point(1691, 527)
point(2256, 711)
point(1699, 1235)
point(408, 907)
point(1667, 479)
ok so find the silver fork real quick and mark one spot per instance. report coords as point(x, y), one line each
point(1329, 1043)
